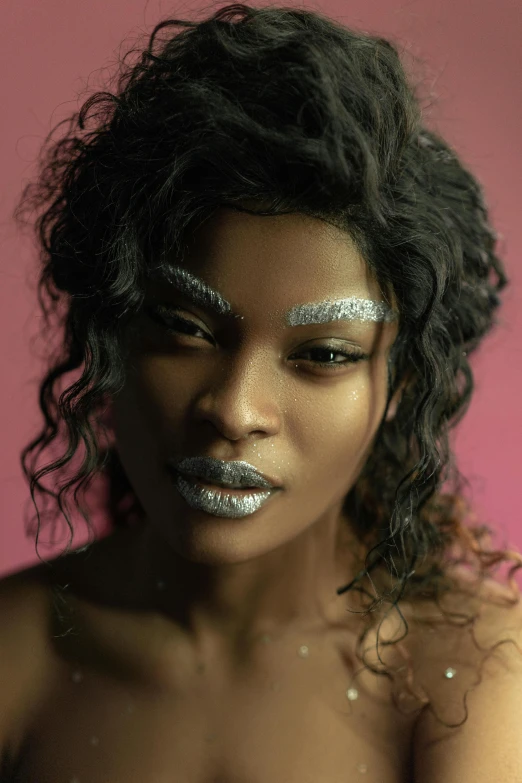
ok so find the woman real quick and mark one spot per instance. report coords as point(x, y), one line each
point(274, 277)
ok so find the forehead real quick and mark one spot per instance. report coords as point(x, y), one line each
point(273, 263)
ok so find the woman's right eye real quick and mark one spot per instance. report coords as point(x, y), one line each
point(173, 323)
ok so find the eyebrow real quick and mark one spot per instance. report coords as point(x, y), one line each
point(193, 288)
point(350, 309)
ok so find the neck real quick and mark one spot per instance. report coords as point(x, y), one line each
point(294, 586)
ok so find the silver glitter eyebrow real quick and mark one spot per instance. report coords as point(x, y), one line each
point(194, 288)
point(351, 309)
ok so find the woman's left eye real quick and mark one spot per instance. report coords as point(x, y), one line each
point(323, 356)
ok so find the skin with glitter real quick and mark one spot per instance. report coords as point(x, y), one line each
point(257, 378)
point(243, 352)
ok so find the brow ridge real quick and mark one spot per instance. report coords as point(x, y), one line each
point(349, 309)
point(193, 288)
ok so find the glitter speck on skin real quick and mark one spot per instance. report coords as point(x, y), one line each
point(303, 651)
point(77, 676)
point(450, 673)
point(362, 768)
point(94, 740)
point(266, 638)
point(352, 694)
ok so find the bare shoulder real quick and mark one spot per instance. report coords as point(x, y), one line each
point(25, 649)
point(485, 618)
point(472, 675)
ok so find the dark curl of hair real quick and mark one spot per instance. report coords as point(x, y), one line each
point(291, 110)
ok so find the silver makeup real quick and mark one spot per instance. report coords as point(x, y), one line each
point(196, 290)
point(351, 309)
point(219, 502)
point(232, 473)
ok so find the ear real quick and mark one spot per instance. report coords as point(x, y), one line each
point(106, 416)
point(394, 404)
point(396, 399)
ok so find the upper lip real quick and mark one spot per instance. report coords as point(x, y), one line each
point(237, 473)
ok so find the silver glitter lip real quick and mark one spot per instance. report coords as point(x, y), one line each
point(221, 503)
point(236, 473)
point(233, 474)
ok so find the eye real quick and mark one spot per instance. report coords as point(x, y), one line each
point(173, 323)
point(330, 357)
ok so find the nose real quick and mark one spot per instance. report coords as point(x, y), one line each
point(240, 399)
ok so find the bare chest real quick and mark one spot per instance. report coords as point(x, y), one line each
point(294, 721)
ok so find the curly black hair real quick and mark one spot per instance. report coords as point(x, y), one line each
point(288, 110)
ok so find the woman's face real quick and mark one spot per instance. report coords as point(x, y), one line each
point(301, 403)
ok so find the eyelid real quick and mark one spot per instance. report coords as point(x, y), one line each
point(172, 310)
point(350, 359)
point(349, 350)
point(162, 313)
point(331, 342)
point(333, 345)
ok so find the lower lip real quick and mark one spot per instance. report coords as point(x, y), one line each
point(221, 501)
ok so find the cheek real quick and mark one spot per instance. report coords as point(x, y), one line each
point(140, 413)
point(336, 432)
point(154, 393)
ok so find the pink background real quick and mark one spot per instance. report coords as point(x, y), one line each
point(53, 54)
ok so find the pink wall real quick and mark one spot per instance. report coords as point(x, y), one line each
point(48, 52)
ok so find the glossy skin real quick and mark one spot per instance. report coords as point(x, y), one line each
point(252, 388)
point(203, 680)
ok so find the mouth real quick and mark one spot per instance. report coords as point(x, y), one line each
point(228, 474)
point(222, 489)
point(225, 489)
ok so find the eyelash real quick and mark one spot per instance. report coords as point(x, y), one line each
point(160, 314)
point(349, 356)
